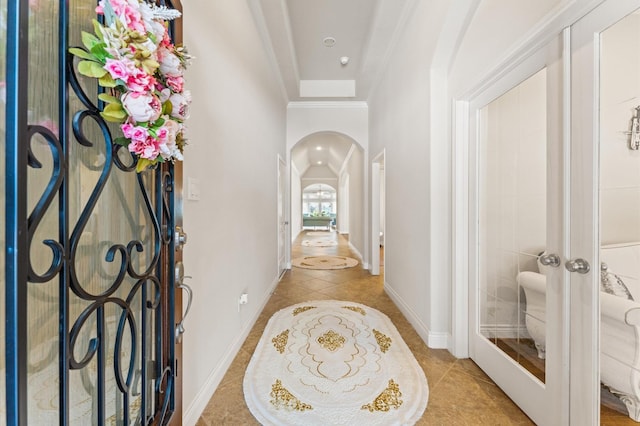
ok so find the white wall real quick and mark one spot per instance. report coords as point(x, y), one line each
point(619, 166)
point(400, 123)
point(233, 228)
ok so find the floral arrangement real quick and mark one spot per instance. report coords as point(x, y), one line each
point(141, 70)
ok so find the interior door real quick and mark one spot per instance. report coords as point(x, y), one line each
point(90, 245)
point(605, 222)
point(517, 162)
point(282, 221)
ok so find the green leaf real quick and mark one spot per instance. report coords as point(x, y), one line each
point(108, 98)
point(107, 81)
point(121, 141)
point(143, 163)
point(167, 107)
point(91, 69)
point(81, 53)
point(97, 27)
point(114, 113)
point(100, 52)
point(89, 40)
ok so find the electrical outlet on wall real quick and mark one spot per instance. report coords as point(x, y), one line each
point(243, 300)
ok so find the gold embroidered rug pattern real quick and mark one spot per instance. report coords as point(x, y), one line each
point(324, 242)
point(334, 363)
point(324, 262)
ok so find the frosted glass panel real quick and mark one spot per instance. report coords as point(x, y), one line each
point(43, 298)
point(620, 221)
point(512, 194)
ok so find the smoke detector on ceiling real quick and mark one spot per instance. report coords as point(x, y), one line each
point(344, 60)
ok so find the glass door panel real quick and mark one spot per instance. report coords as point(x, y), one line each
point(517, 294)
point(99, 266)
point(619, 205)
point(513, 222)
point(43, 304)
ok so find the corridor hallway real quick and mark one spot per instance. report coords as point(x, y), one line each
point(459, 392)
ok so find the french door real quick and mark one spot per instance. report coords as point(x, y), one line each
point(89, 245)
point(517, 208)
point(555, 224)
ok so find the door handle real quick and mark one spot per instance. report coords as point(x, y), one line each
point(179, 279)
point(579, 265)
point(550, 260)
point(180, 238)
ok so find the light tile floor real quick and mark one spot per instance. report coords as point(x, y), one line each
point(459, 392)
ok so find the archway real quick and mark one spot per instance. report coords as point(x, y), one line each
point(335, 160)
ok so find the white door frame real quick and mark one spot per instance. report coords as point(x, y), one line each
point(377, 164)
point(283, 222)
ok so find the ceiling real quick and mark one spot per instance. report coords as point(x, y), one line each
point(334, 150)
point(294, 33)
point(364, 31)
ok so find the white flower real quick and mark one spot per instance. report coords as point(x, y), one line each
point(180, 103)
point(170, 64)
point(141, 107)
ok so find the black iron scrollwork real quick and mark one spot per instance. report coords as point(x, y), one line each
point(90, 333)
point(41, 208)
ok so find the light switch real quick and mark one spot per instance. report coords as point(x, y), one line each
point(193, 189)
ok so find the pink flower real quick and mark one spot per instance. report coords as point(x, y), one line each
point(120, 69)
point(148, 148)
point(135, 133)
point(166, 40)
point(176, 84)
point(128, 11)
point(167, 136)
point(141, 107)
point(140, 81)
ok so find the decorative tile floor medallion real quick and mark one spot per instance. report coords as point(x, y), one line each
point(334, 363)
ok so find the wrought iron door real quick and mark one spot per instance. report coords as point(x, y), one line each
point(89, 252)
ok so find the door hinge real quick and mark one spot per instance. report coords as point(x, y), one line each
point(175, 368)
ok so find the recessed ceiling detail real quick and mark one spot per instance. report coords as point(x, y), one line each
point(327, 88)
point(301, 32)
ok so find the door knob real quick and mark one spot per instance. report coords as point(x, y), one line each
point(550, 260)
point(580, 266)
point(180, 238)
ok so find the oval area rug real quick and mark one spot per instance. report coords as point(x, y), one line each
point(334, 363)
point(324, 262)
point(324, 242)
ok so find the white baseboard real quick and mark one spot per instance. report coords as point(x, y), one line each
point(433, 339)
point(191, 415)
point(365, 265)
